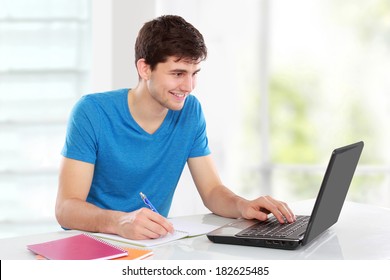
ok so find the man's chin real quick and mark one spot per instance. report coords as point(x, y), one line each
point(176, 108)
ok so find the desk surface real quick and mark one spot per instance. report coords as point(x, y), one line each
point(347, 239)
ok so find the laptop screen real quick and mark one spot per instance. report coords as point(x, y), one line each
point(334, 188)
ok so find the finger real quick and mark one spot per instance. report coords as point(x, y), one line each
point(133, 229)
point(283, 209)
point(159, 229)
point(256, 214)
point(150, 234)
point(159, 223)
point(288, 213)
point(264, 210)
point(166, 224)
point(145, 224)
point(267, 204)
point(280, 210)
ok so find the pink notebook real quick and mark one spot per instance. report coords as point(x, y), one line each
point(78, 247)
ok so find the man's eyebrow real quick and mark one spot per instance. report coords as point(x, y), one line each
point(183, 71)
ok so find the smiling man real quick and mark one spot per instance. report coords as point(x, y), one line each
point(124, 142)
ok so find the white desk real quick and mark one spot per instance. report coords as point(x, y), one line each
point(347, 239)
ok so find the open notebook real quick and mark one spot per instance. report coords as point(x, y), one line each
point(182, 229)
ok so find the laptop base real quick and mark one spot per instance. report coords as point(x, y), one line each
point(227, 234)
point(285, 245)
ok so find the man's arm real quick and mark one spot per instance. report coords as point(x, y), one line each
point(222, 201)
point(74, 212)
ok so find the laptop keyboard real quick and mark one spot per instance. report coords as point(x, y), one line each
point(272, 228)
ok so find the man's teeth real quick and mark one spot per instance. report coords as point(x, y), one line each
point(178, 94)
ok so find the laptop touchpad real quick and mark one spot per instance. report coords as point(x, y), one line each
point(233, 227)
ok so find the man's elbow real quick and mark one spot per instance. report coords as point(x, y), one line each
point(60, 213)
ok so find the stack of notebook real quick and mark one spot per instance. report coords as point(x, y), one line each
point(85, 247)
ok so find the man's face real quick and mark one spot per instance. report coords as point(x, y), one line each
point(172, 81)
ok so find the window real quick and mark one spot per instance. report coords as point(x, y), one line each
point(284, 84)
point(43, 71)
point(287, 82)
point(328, 87)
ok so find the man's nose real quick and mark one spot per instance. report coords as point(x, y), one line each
point(188, 84)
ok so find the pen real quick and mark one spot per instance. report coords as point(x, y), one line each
point(147, 202)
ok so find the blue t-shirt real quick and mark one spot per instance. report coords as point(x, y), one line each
point(127, 159)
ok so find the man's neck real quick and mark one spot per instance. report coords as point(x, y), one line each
point(145, 110)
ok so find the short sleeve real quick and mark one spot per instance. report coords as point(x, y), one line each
point(200, 146)
point(81, 142)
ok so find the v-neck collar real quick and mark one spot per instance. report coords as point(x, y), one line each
point(158, 131)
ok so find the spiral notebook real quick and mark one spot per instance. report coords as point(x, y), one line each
point(146, 242)
point(183, 229)
point(79, 247)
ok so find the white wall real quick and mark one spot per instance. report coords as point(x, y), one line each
point(222, 77)
point(115, 26)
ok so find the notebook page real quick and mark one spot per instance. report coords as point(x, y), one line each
point(146, 242)
point(193, 229)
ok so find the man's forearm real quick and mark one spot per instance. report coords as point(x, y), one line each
point(81, 215)
point(224, 202)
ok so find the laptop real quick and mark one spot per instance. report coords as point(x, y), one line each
point(326, 211)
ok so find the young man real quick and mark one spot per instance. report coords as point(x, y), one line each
point(127, 141)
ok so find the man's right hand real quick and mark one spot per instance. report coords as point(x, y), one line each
point(143, 224)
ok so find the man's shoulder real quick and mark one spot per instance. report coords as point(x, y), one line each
point(106, 95)
point(192, 110)
point(105, 99)
point(192, 99)
point(192, 102)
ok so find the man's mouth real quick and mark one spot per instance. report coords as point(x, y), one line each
point(180, 95)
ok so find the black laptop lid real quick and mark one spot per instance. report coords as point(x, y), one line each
point(334, 188)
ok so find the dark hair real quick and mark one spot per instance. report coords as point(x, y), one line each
point(167, 36)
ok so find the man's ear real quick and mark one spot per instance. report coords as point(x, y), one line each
point(143, 69)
